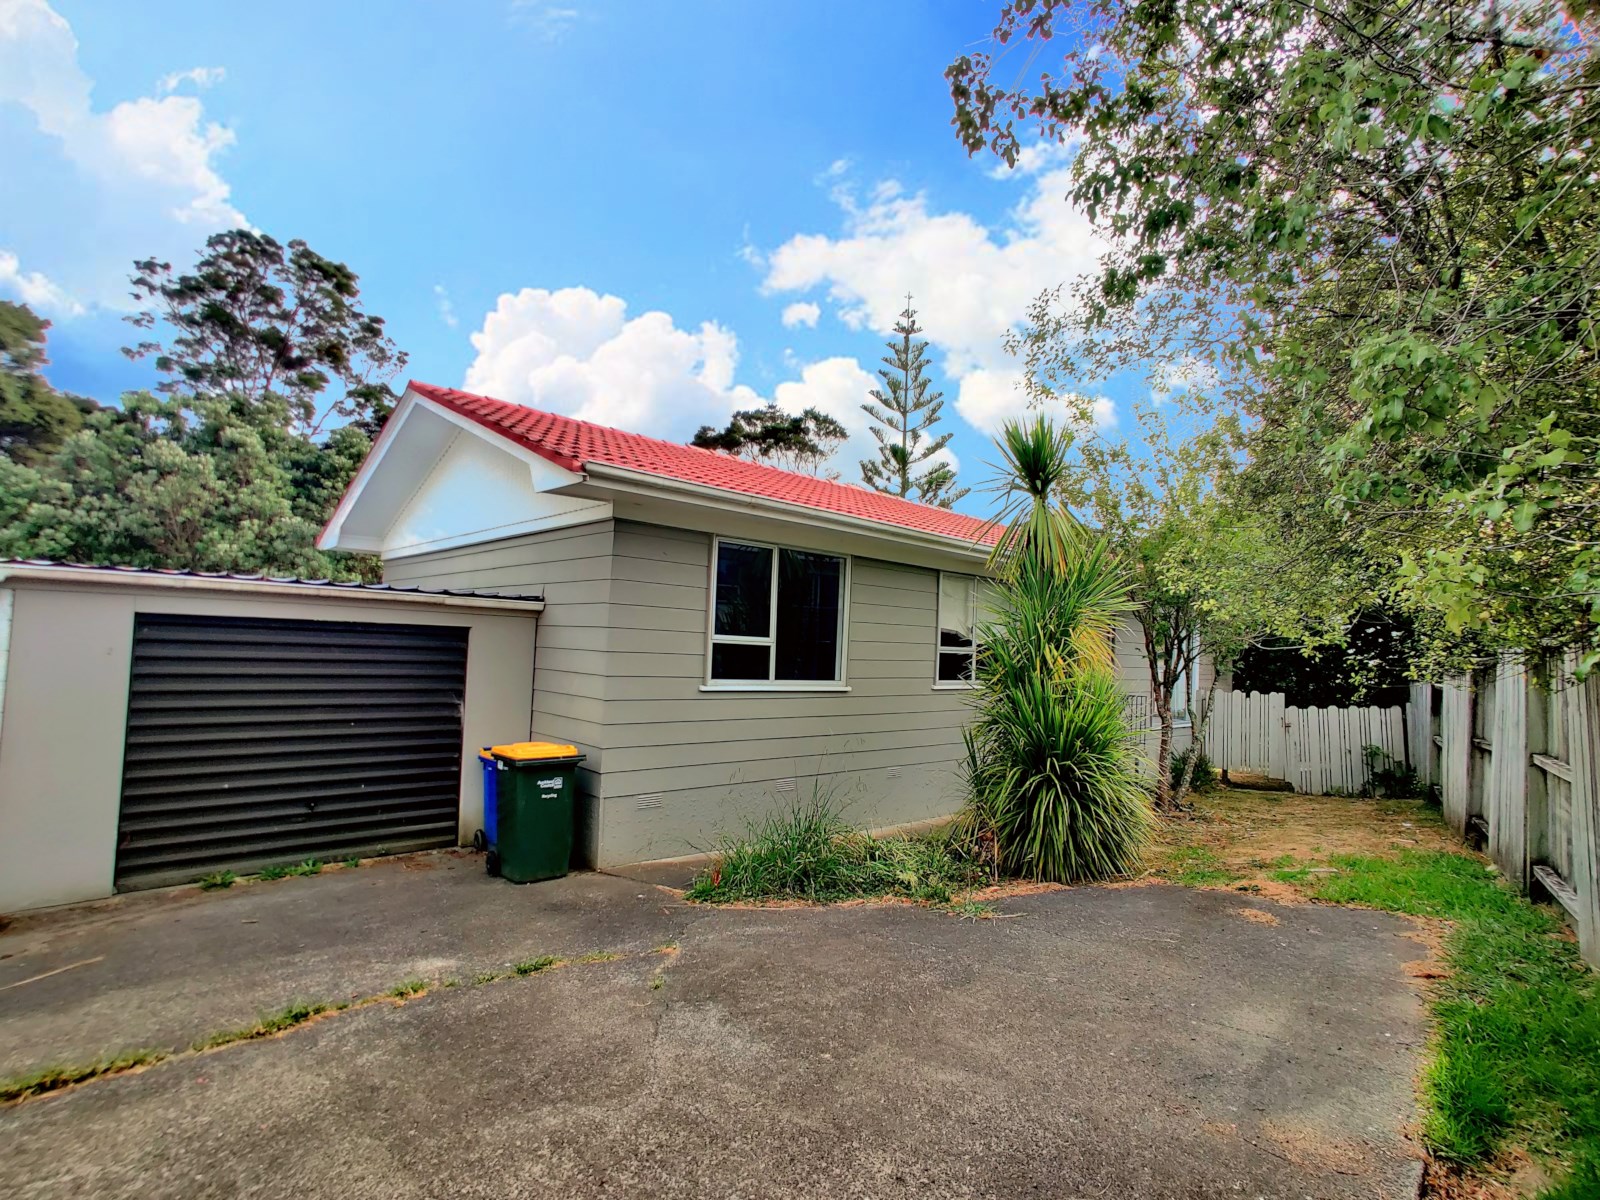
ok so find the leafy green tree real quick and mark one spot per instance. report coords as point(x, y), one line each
point(277, 380)
point(1209, 576)
point(902, 414)
point(1384, 218)
point(34, 418)
point(795, 442)
point(140, 488)
point(265, 325)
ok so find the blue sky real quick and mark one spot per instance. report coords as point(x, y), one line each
point(644, 214)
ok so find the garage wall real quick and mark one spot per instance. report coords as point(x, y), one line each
point(65, 714)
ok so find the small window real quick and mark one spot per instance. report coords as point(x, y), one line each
point(958, 628)
point(1183, 687)
point(777, 616)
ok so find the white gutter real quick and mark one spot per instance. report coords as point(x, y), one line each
point(624, 479)
point(24, 573)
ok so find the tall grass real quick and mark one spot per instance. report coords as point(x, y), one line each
point(1055, 787)
point(808, 852)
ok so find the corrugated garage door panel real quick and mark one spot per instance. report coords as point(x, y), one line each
point(253, 742)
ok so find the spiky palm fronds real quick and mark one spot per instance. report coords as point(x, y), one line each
point(1055, 783)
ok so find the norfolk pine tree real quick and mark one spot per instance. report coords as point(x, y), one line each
point(903, 413)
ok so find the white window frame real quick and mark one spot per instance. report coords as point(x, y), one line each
point(954, 685)
point(713, 638)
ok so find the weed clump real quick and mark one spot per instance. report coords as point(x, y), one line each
point(808, 852)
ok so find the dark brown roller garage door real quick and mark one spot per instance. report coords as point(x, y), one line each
point(256, 742)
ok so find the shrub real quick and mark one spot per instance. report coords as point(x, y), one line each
point(1055, 787)
point(1389, 778)
point(1054, 784)
point(808, 852)
point(1205, 772)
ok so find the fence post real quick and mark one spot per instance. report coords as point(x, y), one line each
point(1585, 758)
point(1505, 793)
point(1455, 756)
point(1419, 731)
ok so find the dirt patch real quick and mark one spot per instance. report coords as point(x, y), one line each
point(1440, 1181)
point(1264, 843)
point(1005, 891)
point(1259, 915)
point(1308, 1147)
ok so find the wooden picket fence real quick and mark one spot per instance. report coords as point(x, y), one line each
point(1515, 753)
point(1317, 750)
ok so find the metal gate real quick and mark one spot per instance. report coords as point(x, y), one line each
point(257, 742)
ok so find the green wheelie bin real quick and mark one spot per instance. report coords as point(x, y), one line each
point(535, 783)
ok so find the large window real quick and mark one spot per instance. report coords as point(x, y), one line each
point(777, 616)
point(958, 629)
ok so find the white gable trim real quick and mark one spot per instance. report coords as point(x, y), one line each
point(437, 480)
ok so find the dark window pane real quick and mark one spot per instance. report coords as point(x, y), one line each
point(733, 661)
point(955, 668)
point(744, 591)
point(810, 588)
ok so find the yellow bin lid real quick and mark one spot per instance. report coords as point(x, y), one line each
point(533, 751)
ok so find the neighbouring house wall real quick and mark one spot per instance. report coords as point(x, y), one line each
point(684, 765)
point(571, 568)
point(66, 702)
point(1133, 672)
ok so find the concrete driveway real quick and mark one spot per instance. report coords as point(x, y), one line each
point(1123, 1042)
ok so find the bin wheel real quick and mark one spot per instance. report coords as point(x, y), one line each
point(492, 863)
point(480, 841)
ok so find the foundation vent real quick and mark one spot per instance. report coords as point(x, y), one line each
point(894, 772)
point(786, 785)
point(652, 801)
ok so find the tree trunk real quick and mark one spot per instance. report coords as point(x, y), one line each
point(1198, 743)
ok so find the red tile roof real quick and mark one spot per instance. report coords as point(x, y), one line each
point(575, 444)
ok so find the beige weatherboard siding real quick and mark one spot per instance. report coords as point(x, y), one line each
point(621, 671)
point(65, 703)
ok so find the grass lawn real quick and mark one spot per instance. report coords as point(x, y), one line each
point(1511, 1094)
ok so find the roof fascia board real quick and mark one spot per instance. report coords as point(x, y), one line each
point(24, 573)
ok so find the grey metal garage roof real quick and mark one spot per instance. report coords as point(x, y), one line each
point(46, 571)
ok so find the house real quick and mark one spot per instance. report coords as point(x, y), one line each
point(717, 637)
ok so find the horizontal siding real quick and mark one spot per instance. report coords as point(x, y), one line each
point(694, 819)
point(571, 569)
point(666, 736)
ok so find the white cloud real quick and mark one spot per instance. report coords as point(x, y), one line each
point(201, 77)
point(547, 20)
point(577, 352)
point(136, 180)
point(444, 306)
point(34, 290)
point(970, 283)
point(838, 387)
point(802, 312)
point(989, 398)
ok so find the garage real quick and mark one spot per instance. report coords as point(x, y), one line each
point(255, 742)
point(157, 726)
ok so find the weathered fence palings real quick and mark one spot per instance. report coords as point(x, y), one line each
point(1520, 749)
point(1318, 750)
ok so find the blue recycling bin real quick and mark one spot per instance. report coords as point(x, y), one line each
point(487, 838)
